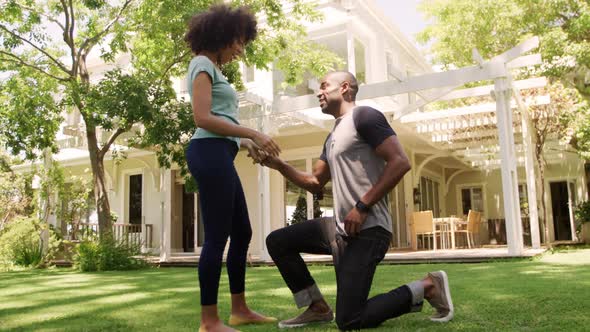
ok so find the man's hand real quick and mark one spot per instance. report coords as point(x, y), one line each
point(353, 221)
point(254, 151)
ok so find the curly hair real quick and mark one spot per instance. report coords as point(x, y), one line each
point(219, 27)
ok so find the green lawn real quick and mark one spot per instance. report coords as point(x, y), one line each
point(547, 294)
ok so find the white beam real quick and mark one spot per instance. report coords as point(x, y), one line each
point(469, 110)
point(513, 53)
point(481, 143)
point(525, 61)
point(492, 69)
point(449, 93)
point(460, 136)
point(531, 83)
point(412, 84)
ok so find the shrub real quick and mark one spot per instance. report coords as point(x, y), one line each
point(582, 212)
point(107, 255)
point(21, 243)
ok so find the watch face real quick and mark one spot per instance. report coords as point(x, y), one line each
point(362, 207)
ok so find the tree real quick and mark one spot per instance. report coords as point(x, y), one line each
point(44, 53)
point(300, 213)
point(495, 26)
point(492, 27)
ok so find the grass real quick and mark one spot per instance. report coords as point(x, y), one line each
point(545, 294)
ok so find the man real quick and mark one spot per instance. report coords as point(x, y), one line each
point(364, 159)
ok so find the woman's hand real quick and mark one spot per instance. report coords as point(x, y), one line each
point(267, 144)
point(254, 151)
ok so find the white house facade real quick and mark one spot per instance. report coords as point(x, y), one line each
point(455, 154)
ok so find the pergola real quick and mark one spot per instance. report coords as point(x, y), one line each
point(479, 136)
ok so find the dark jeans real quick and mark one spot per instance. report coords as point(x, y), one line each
point(355, 261)
point(224, 214)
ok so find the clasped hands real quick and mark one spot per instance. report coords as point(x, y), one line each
point(263, 150)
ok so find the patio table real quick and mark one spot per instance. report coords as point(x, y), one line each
point(446, 223)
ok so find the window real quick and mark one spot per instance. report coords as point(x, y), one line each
point(135, 198)
point(471, 199)
point(429, 199)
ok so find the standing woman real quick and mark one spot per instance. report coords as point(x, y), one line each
point(216, 37)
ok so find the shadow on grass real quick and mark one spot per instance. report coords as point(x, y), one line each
point(513, 295)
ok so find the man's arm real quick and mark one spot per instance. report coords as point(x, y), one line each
point(397, 164)
point(313, 182)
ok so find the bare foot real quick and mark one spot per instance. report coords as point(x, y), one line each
point(215, 327)
point(251, 316)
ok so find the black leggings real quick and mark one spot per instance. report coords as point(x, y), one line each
point(224, 214)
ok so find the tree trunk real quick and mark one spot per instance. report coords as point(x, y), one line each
point(103, 206)
point(541, 167)
point(543, 203)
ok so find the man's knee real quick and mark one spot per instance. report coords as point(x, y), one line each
point(347, 322)
point(273, 241)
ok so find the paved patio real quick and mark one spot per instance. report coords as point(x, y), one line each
point(392, 257)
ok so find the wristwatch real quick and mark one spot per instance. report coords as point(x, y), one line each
point(362, 206)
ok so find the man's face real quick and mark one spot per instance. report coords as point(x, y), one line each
point(329, 95)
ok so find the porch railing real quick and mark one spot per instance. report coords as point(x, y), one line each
point(138, 235)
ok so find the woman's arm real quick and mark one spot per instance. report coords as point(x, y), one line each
point(203, 118)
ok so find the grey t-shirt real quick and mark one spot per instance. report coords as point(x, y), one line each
point(355, 168)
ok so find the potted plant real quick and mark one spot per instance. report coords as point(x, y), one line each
point(583, 219)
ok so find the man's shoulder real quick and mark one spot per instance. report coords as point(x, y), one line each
point(364, 115)
point(365, 109)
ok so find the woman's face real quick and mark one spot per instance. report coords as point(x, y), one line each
point(232, 52)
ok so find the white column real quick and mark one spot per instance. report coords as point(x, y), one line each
point(264, 209)
point(264, 195)
point(571, 207)
point(48, 203)
point(408, 201)
point(166, 217)
point(308, 195)
point(502, 91)
point(443, 188)
point(350, 50)
point(529, 165)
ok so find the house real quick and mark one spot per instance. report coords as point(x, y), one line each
point(455, 153)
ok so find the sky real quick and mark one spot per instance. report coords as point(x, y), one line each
point(405, 15)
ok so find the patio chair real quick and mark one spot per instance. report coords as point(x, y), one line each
point(422, 224)
point(472, 230)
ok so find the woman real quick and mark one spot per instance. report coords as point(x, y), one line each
point(216, 37)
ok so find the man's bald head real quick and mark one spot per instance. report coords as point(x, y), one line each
point(340, 77)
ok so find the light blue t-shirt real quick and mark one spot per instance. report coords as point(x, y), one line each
point(224, 99)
